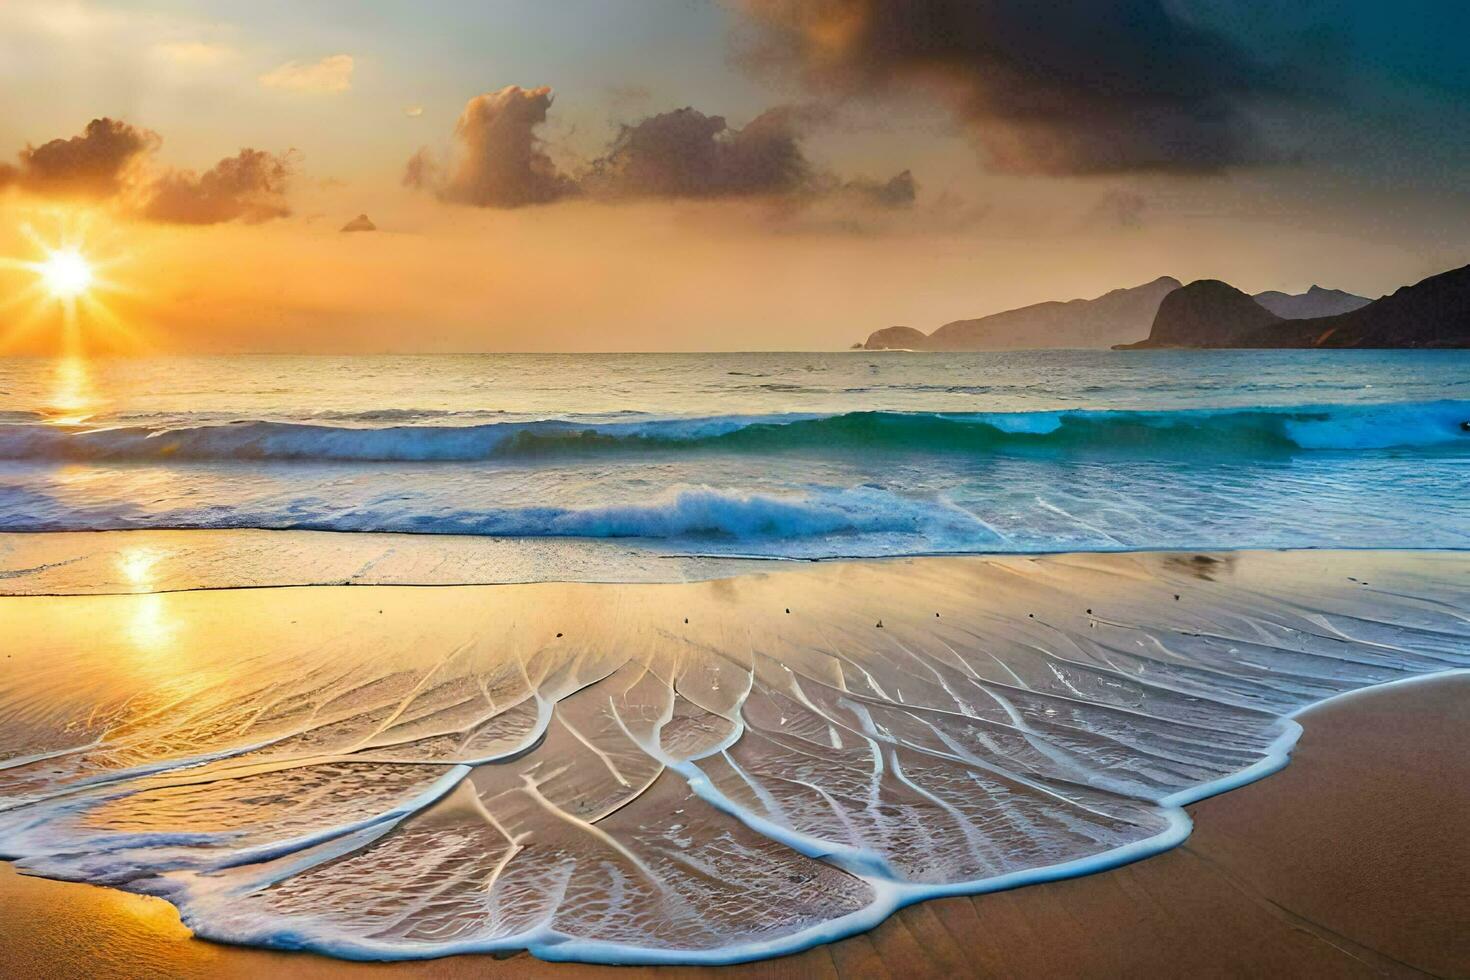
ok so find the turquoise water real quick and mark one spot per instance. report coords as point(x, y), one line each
point(780, 455)
point(608, 773)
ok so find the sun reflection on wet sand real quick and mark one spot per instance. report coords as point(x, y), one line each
point(400, 772)
point(136, 565)
point(152, 629)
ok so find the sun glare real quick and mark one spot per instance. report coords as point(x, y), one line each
point(67, 273)
point(66, 306)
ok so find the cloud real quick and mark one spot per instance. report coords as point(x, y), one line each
point(110, 163)
point(498, 159)
point(685, 153)
point(248, 187)
point(331, 74)
point(99, 163)
point(1105, 86)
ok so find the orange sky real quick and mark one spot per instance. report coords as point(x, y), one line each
point(218, 249)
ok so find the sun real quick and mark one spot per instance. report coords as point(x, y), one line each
point(63, 300)
point(66, 273)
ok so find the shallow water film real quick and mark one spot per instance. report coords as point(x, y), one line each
point(696, 772)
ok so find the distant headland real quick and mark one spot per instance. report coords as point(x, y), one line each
point(1209, 313)
point(1432, 313)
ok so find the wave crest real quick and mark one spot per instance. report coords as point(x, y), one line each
point(679, 512)
point(1250, 431)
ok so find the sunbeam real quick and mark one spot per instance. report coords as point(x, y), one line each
point(69, 292)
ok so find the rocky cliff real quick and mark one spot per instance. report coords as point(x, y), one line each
point(1432, 313)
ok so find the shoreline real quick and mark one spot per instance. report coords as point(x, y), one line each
point(59, 564)
point(1253, 596)
point(1295, 860)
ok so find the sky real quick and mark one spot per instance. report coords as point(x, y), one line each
point(707, 174)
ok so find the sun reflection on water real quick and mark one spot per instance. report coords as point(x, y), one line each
point(73, 397)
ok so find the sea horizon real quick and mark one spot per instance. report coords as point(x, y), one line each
point(770, 488)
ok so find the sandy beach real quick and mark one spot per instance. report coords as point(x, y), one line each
point(1346, 863)
point(752, 488)
point(330, 721)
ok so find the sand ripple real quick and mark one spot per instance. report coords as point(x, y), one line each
point(699, 772)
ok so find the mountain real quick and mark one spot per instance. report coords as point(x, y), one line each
point(1312, 303)
point(1117, 317)
point(360, 223)
point(1208, 313)
point(1434, 312)
point(896, 338)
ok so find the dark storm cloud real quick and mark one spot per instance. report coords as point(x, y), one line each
point(498, 161)
point(1046, 87)
point(109, 162)
point(99, 163)
point(685, 153)
point(249, 187)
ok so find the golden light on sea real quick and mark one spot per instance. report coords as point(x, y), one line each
point(63, 305)
point(72, 394)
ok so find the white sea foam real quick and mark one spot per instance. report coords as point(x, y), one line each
point(609, 773)
point(781, 484)
point(1241, 430)
point(677, 513)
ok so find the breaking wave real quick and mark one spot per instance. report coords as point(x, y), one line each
point(1254, 431)
point(681, 512)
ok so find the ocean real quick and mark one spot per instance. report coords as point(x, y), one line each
point(604, 734)
point(806, 456)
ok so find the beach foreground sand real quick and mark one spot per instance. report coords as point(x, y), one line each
point(1350, 862)
point(1156, 678)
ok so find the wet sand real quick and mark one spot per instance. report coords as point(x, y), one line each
point(1350, 862)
